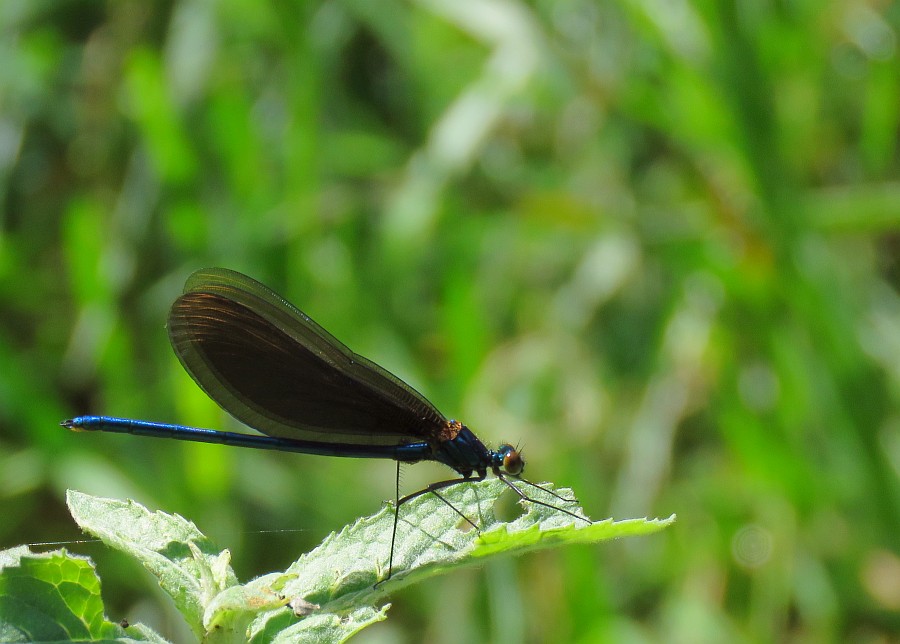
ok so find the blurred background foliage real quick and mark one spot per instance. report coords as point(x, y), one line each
point(656, 243)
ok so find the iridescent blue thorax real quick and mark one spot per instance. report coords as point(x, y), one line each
point(461, 450)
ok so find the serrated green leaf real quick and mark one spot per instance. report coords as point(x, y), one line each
point(340, 575)
point(504, 539)
point(51, 596)
point(186, 564)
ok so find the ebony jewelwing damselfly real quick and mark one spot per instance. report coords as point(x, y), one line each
point(270, 366)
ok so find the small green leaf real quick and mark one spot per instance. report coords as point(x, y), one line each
point(234, 608)
point(186, 563)
point(321, 627)
point(51, 596)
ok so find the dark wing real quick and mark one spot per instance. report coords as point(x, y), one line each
point(270, 366)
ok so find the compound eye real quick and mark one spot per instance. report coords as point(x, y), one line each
point(513, 462)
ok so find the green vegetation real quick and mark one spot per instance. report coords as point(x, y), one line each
point(333, 587)
point(656, 244)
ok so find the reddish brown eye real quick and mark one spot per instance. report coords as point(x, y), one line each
point(513, 462)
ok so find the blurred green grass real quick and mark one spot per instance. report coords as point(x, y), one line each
point(657, 244)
